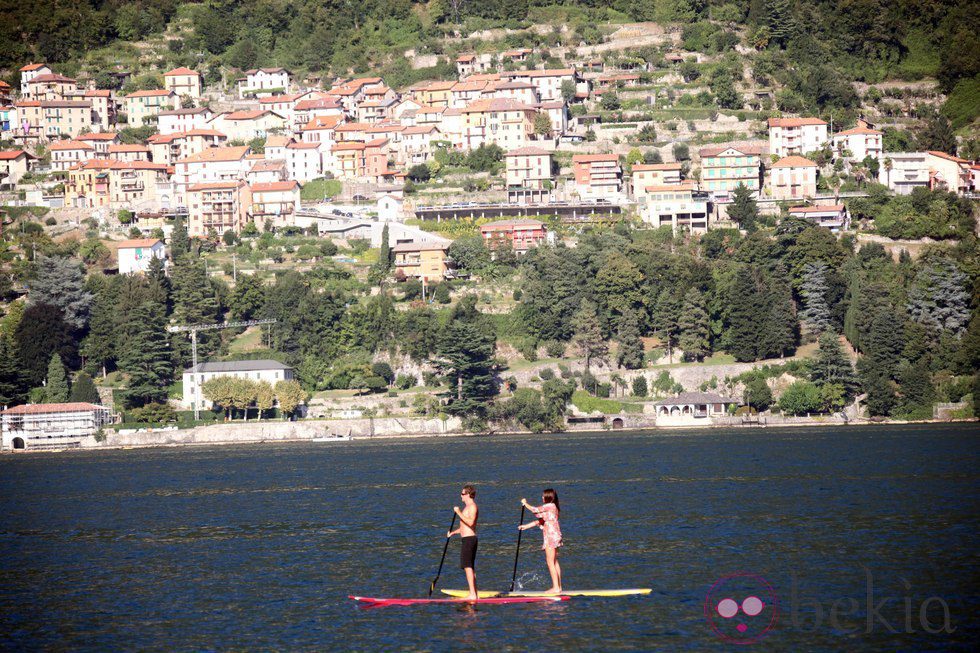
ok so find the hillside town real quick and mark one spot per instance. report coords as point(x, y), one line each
point(509, 145)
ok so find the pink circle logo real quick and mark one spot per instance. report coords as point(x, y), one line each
point(741, 608)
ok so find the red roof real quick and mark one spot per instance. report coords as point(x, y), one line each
point(231, 153)
point(33, 66)
point(150, 93)
point(128, 147)
point(301, 146)
point(51, 77)
point(98, 93)
point(948, 157)
point(641, 167)
point(589, 158)
point(246, 115)
point(137, 242)
point(741, 149)
point(274, 186)
point(795, 122)
point(854, 131)
point(41, 409)
point(10, 155)
point(181, 71)
point(794, 161)
point(215, 185)
point(98, 136)
point(69, 145)
point(833, 208)
point(528, 151)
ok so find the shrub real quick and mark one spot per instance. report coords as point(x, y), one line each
point(50, 222)
point(406, 381)
point(547, 374)
point(383, 370)
point(640, 386)
point(555, 348)
point(528, 348)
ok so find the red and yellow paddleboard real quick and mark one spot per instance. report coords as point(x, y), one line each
point(370, 600)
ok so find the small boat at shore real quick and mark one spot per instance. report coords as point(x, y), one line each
point(332, 437)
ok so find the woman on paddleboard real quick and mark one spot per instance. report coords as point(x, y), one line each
point(547, 520)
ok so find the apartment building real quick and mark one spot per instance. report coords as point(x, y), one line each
point(132, 185)
point(67, 154)
point(274, 203)
point(194, 378)
point(51, 86)
point(183, 120)
point(14, 164)
point(427, 260)
point(170, 148)
point(654, 174)
point(724, 167)
point(789, 136)
point(833, 217)
point(100, 142)
point(547, 82)
point(129, 152)
point(793, 177)
point(183, 82)
point(859, 142)
point(528, 175)
point(142, 107)
point(303, 161)
point(504, 122)
point(248, 125)
point(680, 205)
point(415, 144)
point(216, 164)
point(520, 234)
point(597, 176)
point(949, 172)
point(28, 73)
point(218, 205)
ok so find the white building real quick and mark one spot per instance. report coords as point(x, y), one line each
point(788, 136)
point(183, 120)
point(692, 409)
point(134, 256)
point(183, 81)
point(258, 370)
point(52, 426)
point(859, 142)
point(264, 81)
point(390, 208)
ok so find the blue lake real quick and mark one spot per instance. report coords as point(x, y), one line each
point(257, 547)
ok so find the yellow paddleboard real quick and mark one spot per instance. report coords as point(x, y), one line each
point(490, 594)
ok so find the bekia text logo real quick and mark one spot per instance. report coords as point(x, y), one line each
point(741, 608)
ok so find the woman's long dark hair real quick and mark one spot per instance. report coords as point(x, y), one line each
point(550, 496)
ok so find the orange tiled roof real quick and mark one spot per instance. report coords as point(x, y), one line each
point(794, 161)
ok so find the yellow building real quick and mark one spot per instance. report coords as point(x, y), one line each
point(183, 81)
point(220, 205)
point(133, 185)
point(426, 260)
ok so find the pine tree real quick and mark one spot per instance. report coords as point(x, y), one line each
point(693, 324)
point(56, 388)
point(588, 334)
point(41, 332)
point(630, 353)
point(13, 385)
point(742, 337)
point(778, 334)
point(815, 314)
point(831, 365)
point(180, 242)
point(99, 346)
point(780, 21)
point(937, 134)
point(159, 281)
point(666, 313)
point(83, 389)
point(60, 282)
point(885, 341)
point(916, 387)
point(146, 357)
point(743, 208)
point(938, 298)
point(466, 349)
point(195, 303)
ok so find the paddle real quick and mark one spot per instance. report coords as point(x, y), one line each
point(435, 580)
point(513, 578)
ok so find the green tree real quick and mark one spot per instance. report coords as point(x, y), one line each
point(465, 355)
point(40, 333)
point(60, 282)
point(145, 357)
point(247, 298)
point(640, 386)
point(757, 393)
point(801, 397)
point(219, 390)
point(568, 91)
point(13, 385)
point(630, 353)
point(588, 334)
point(610, 101)
point(936, 133)
point(832, 367)
point(84, 390)
point(56, 387)
point(195, 303)
point(290, 396)
point(743, 208)
point(693, 325)
point(938, 298)
point(180, 242)
point(816, 313)
point(542, 125)
point(779, 327)
point(265, 398)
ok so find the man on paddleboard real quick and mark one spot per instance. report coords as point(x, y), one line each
point(467, 533)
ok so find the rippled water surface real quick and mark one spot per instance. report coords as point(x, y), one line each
point(256, 547)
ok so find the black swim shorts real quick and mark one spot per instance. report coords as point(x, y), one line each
point(467, 553)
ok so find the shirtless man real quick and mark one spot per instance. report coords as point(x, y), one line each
point(467, 533)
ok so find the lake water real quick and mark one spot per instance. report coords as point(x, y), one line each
point(256, 547)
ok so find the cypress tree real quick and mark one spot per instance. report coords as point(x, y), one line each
point(666, 313)
point(815, 314)
point(41, 332)
point(180, 242)
point(916, 387)
point(744, 317)
point(146, 357)
point(13, 385)
point(743, 208)
point(56, 388)
point(98, 347)
point(780, 326)
point(832, 365)
point(694, 337)
point(630, 353)
point(83, 389)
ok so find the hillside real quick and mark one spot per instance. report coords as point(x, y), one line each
point(810, 51)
